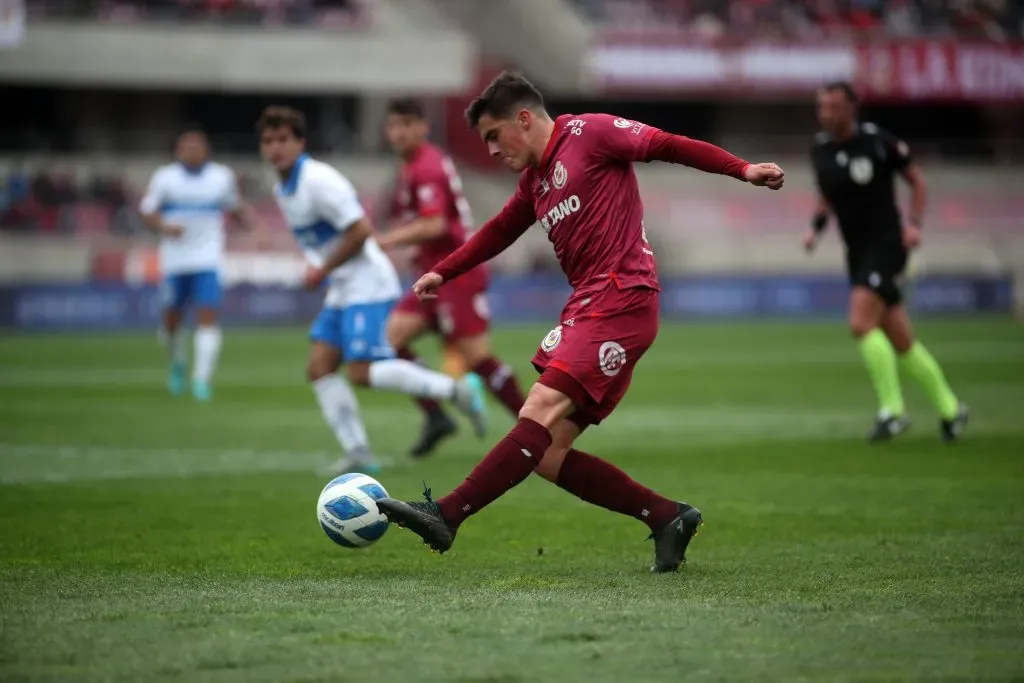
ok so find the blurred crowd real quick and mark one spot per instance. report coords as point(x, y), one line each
point(221, 11)
point(809, 19)
point(57, 202)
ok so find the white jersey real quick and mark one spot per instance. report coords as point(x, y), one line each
point(320, 204)
point(196, 200)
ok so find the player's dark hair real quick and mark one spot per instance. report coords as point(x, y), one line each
point(506, 94)
point(407, 106)
point(277, 116)
point(844, 87)
point(191, 128)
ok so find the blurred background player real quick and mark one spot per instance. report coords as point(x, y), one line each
point(185, 205)
point(434, 216)
point(854, 164)
point(328, 222)
point(577, 178)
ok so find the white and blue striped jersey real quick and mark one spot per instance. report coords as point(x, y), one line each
point(196, 200)
point(320, 204)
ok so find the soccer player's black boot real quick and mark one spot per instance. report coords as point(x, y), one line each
point(671, 540)
point(437, 427)
point(887, 427)
point(951, 429)
point(422, 518)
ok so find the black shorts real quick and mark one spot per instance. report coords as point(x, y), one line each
point(880, 270)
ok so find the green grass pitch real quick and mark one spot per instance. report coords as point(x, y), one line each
point(146, 538)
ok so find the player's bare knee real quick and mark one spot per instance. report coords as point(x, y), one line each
point(475, 350)
point(358, 373)
point(317, 369)
point(206, 316)
point(551, 464)
point(860, 326)
point(545, 405)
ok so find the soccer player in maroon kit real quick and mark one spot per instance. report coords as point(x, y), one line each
point(577, 180)
point(435, 216)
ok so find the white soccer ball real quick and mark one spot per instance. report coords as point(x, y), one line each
point(347, 510)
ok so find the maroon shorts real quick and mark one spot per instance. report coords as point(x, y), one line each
point(598, 344)
point(460, 310)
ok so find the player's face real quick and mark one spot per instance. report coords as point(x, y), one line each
point(835, 111)
point(405, 133)
point(192, 149)
point(280, 147)
point(507, 139)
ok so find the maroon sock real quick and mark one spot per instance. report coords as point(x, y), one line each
point(427, 405)
point(601, 483)
point(508, 463)
point(501, 382)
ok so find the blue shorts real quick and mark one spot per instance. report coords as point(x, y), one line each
point(359, 331)
point(201, 289)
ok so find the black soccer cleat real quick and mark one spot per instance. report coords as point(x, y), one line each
point(422, 518)
point(436, 428)
point(950, 430)
point(887, 428)
point(671, 540)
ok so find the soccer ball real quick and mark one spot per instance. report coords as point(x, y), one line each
point(347, 510)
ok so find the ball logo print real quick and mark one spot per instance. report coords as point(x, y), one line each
point(347, 510)
point(612, 357)
point(622, 123)
point(551, 340)
point(861, 170)
point(559, 176)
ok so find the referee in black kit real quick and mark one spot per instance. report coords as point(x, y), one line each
point(854, 164)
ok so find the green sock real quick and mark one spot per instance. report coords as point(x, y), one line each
point(925, 370)
point(880, 360)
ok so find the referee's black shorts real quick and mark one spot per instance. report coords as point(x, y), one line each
point(880, 269)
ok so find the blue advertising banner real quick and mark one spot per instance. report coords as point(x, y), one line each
point(512, 299)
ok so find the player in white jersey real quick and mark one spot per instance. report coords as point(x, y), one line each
point(336, 236)
point(185, 204)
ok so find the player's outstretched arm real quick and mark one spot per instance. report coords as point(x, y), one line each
point(496, 235)
point(703, 156)
point(419, 230)
point(352, 241)
point(918, 196)
point(819, 221)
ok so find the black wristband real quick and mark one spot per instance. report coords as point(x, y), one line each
point(819, 222)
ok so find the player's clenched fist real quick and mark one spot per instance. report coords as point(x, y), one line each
point(766, 175)
point(426, 287)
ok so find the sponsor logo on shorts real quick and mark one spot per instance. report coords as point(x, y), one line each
point(559, 176)
point(553, 339)
point(874, 279)
point(622, 123)
point(612, 357)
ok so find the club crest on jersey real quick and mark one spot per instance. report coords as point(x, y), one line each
point(559, 176)
point(622, 123)
point(861, 170)
point(612, 357)
point(551, 340)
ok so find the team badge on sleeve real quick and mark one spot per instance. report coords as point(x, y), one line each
point(622, 123)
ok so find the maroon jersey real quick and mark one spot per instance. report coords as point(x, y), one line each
point(428, 185)
point(584, 194)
